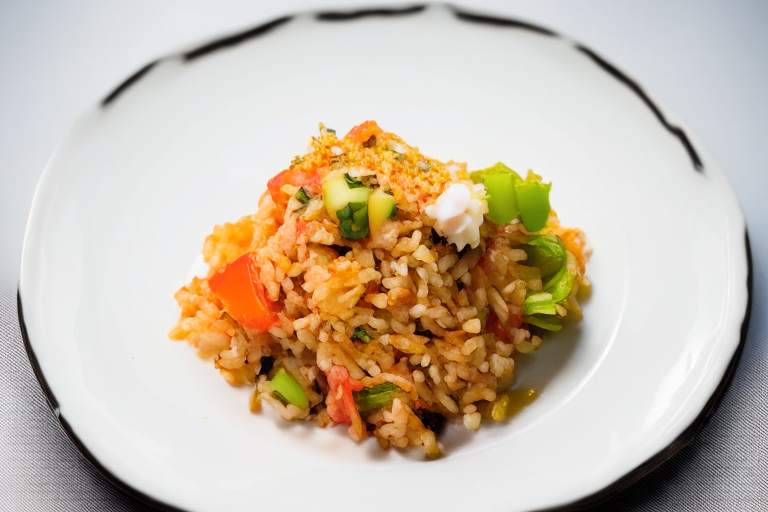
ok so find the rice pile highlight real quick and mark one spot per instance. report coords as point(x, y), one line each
point(383, 324)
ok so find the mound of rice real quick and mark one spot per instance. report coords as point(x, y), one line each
point(393, 334)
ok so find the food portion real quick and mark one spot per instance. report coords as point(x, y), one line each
point(381, 289)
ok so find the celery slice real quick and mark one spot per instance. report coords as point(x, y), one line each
point(288, 389)
point(533, 200)
point(502, 201)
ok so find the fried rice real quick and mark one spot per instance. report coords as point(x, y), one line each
point(388, 327)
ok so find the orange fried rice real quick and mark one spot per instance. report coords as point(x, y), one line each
point(391, 325)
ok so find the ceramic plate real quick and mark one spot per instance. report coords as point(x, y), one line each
point(188, 142)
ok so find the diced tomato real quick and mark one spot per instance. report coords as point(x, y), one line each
point(340, 402)
point(364, 131)
point(494, 325)
point(310, 180)
point(500, 330)
point(301, 226)
point(237, 286)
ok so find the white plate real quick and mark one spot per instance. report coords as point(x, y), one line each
point(126, 201)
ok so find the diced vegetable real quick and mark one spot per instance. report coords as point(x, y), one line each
point(364, 131)
point(560, 285)
point(540, 308)
point(237, 285)
point(337, 194)
point(375, 397)
point(352, 182)
point(296, 177)
point(509, 196)
point(288, 390)
point(302, 196)
point(539, 303)
point(548, 322)
point(353, 221)
point(381, 208)
point(502, 201)
point(339, 401)
point(533, 199)
point(547, 253)
point(361, 335)
point(499, 182)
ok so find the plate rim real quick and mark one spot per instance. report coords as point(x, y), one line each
point(233, 38)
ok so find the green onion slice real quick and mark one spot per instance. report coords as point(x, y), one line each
point(288, 390)
point(361, 335)
point(302, 196)
point(375, 397)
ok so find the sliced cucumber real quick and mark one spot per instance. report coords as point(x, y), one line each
point(381, 208)
point(337, 195)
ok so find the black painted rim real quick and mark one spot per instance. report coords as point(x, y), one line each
point(337, 16)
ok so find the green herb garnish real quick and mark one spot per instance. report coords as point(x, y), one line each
point(361, 335)
point(352, 182)
point(375, 397)
point(353, 220)
point(302, 196)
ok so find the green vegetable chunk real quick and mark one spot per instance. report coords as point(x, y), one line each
point(539, 303)
point(539, 308)
point(346, 201)
point(352, 182)
point(361, 335)
point(370, 399)
point(550, 323)
point(353, 221)
point(499, 181)
point(381, 208)
point(288, 390)
point(502, 201)
point(533, 199)
point(302, 196)
point(546, 252)
point(560, 285)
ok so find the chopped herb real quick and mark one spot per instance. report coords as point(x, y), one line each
point(399, 156)
point(370, 142)
point(362, 335)
point(392, 213)
point(353, 220)
point(352, 182)
point(302, 196)
point(370, 399)
point(331, 130)
point(297, 160)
